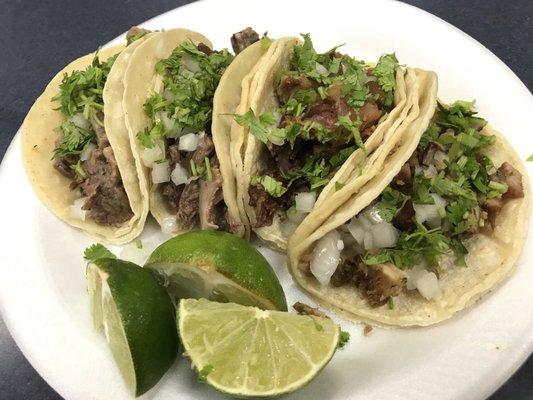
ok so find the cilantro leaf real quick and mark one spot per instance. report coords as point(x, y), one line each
point(385, 71)
point(74, 139)
point(344, 337)
point(97, 251)
point(204, 372)
point(262, 127)
point(391, 203)
point(271, 185)
point(353, 127)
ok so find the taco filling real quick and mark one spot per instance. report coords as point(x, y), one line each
point(82, 152)
point(329, 104)
point(422, 223)
point(178, 147)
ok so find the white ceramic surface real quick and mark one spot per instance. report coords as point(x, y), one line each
point(42, 287)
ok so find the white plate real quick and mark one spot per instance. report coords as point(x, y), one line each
point(42, 288)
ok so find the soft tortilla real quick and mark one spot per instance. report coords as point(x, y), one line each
point(38, 143)
point(491, 258)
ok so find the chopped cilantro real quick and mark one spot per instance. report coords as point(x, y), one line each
point(390, 303)
point(262, 127)
point(352, 127)
point(391, 203)
point(208, 169)
point(139, 244)
point(344, 337)
point(204, 372)
point(385, 71)
point(133, 38)
point(97, 251)
point(74, 139)
point(272, 186)
point(78, 169)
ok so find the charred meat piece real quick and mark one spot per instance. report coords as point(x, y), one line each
point(290, 84)
point(304, 309)
point(188, 207)
point(326, 112)
point(204, 48)
point(64, 165)
point(107, 201)
point(369, 114)
point(379, 282)
point(264, 204)
point(344, 273)
point(404, 219)
point(171, 196)
point(204, 149)
point(174, 155)
point(512, 178)
point(375, 89)
point(492, 207)
point(403, 180)
point(428, 157)
point(243, 39)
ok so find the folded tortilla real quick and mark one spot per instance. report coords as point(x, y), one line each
point(141, 80)
point(491, 255)
point(259, 95)
point(38, 143)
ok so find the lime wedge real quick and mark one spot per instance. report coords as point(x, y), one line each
point(217, 266)
point(246, 351)
point(138, 319)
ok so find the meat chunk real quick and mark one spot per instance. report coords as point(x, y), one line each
point(304, 309)
point(428, 156)
point(379, 282)
point(243, 39)
point(290, 84)
point(344, 273)
point(513, 179)
point(326, 112)
point(204, 48)
point(403, 180)
point(174, 155)
point(107, 200)
point(204, 149)
point(64, 165)
point(212, 206)
point(98, 128)
point(369, 114)
point(492, 207)
point(265, 206)
point(188, 206)
point(171, 195)
point(404, 219)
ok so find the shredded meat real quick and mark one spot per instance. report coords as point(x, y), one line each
point(326, 112)
point(171, 195)
point(403, 180)
point(264, 204)
point(404, 219)
point(101, 137)
point(212, 206)
point(204, 149)
point(107, 200)
point(492, 207)
point(243, 39)
point(304, 309)
point(187, 213)
point(64, 165)
point(513, 179)
point(379, 282)
point(174, 155)
point(290, 84)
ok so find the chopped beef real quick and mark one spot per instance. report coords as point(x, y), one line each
point(96, 124)
point(404, 179)
point(369, 114)
point(243, 39)
point(135, 31)
point(428, 156)
point(171, 195)
point(375, 89)
point(379, 282)
point(290, 84)
point(187, 214)
point(174, 155)
point(477, 215)
point(513, 179)
point(304, 309)
point(204, 149)
point(404, 219)
point(326, 112)
point(344, 273)
point(212, 206)
point(204, 48)
point(492, 207)
point(107, 200)
point(287, 159)
point(64, 165)
point(264, 204)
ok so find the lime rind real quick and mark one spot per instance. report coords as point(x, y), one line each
point(253, 352)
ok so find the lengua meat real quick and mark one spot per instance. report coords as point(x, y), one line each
point(187, 213)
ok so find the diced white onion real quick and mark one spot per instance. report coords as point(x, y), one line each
point(86, 153)
point(179, 175)
point(357, 229)
point(424, 281)
point(161, 172)
point(384, 235)
point(188, 142)
point(173, 130)
point(430, 212)
point(76, 211)
point(372, 214)
point(326, 257)
point(368, 240)
point(190, 64)
point(340, 244)
point(80, 121)
point(288, 227)
point(168, 95)
point(430, 171)
point(156, 153)
point(295, 216)
point(305, 201)
point(169, 225)
point(321, 69)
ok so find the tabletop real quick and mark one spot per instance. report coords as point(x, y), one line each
point(40, 36)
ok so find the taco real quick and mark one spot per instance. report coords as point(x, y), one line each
point(76, 150)
point(179, 102)
point(439, 225)
point(296, 133)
